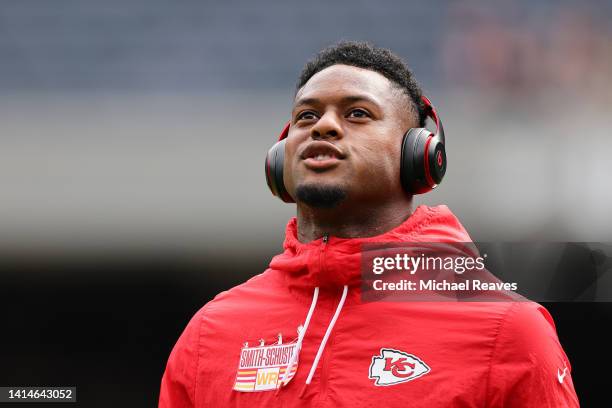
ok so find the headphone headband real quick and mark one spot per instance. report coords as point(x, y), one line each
point(285, 132)
point(433, 114)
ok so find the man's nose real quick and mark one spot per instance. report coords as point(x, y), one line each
point(327, 126)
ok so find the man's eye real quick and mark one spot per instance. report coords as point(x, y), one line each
point(359, 113)
point(306, 115)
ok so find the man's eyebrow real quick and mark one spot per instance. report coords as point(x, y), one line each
point(345, 99)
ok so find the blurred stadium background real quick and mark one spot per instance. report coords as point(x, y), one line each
point(133, 136)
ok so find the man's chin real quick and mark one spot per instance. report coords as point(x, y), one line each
point(318, 195)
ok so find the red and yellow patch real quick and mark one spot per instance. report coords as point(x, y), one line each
point(262, 368)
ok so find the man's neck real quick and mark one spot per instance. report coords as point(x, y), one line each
point(368, 221)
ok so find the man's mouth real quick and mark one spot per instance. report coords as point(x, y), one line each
point(321, 155)
point(321, 162)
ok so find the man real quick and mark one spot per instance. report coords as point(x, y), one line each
point(299, 334)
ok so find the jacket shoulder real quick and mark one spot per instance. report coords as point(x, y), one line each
point(202, 336)
point(263, 285)
point(529, 367)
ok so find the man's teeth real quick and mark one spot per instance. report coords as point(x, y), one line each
point(322, 157)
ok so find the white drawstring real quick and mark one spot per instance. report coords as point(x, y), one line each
point(301, 335)
point(327, 333)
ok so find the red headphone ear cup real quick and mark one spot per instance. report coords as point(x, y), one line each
point(412, 171)
point(423, 161)
point(435, 161)
point(274, 171)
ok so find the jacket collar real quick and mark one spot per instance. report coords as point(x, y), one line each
point(331, 265)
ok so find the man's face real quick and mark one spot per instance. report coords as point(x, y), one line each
point(345, 138)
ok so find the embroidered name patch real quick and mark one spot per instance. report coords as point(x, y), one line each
point(263, 368)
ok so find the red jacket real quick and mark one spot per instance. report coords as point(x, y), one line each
point(387, 354)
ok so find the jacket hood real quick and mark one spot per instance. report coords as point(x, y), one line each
point(336, 262)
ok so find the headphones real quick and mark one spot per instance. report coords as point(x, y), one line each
point(423, 159)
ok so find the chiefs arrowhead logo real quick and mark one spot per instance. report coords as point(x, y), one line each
point(395, 367)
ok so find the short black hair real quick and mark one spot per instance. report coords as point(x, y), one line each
point(364, 55)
